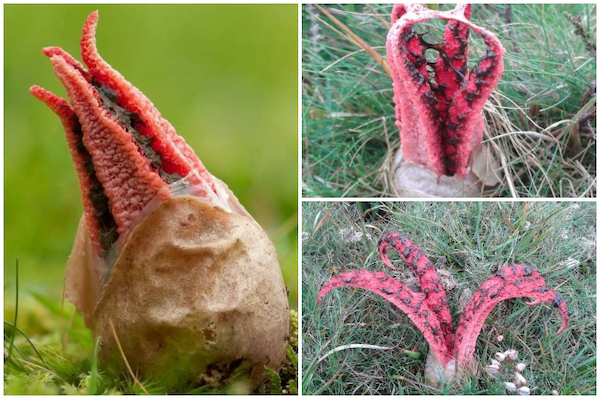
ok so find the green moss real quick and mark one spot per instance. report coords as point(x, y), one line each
point(66, 365)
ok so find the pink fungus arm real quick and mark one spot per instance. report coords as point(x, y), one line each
point(431, 286)
point(451, 65)
point(440, 123)
point(411, 303)
point(79, 154)
point(451, 68)
point(398, 10)
point(515, 281)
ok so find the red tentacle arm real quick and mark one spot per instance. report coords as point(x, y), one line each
point(431, 286)
point(515, 281)
point(451, 68)
point(398, 10)
point(411, 303)
point(440, 123)
point(81, 157)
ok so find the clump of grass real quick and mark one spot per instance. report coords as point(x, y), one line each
point(470, 241)
point(541, 119)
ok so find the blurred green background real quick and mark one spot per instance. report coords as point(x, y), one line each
point(226, 78)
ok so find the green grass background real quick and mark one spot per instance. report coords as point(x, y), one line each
point(226, 78)
point(557, 239)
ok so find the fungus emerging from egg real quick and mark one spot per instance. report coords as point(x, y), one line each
point(439, 103)
point(166, 262)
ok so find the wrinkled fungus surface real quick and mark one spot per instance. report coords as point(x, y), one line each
point(428, 309)
point(439, 104)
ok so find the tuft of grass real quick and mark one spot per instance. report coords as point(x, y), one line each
point(470, 240)
point(541, 118)
point(94, 374)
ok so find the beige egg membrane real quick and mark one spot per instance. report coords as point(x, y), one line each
point(437, 375)
point(411, 180)
point(195, 293)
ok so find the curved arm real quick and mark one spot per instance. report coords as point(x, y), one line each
point(515, 281)
point(411, 303)
point(431, 286)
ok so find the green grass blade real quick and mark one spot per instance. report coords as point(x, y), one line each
point(94, 374)
point(12, 337)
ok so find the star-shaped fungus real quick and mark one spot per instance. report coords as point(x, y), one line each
point(451, 355)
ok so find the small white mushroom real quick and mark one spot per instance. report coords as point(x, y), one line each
point(554, 392)
point(512, 354)
point(519, 380)
point(519, 367)
point(524, 391)
point(499, 338)
point(495, 362)
point(510, 387)
point(500, 356)
point(493, 369)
